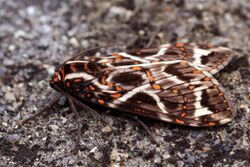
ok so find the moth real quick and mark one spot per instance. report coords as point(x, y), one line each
point(172, 83)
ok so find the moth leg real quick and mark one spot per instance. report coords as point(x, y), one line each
point(44, 110)
point(78, 122)
point(85, 107)
point(91, 111)
point(144, 126)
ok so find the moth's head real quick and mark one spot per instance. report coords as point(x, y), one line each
point(56, 81)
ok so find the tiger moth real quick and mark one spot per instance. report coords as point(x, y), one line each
point(172, 83)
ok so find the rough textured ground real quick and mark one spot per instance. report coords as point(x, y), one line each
point(36, 36)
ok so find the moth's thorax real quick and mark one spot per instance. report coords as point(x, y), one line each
point(56, 81)
point(71, 75)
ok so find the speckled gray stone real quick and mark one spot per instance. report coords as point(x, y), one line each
point(37, 36)
point(13, 138)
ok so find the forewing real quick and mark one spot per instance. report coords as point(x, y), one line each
point(172, 91)
point(207, 57)
point(204, 56)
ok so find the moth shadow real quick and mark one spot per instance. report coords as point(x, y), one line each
point(237, 64)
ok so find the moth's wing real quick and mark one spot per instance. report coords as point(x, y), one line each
point(174, 91)
point(205, 56)
point(208, 57)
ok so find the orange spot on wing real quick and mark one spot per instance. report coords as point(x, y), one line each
point(118, 59)
point(85, 66)
point(62, 73)
point(182, 49)
point(196, 72)
point(183, 114)
point(55, 79)
point(183, 63)
point(179, 121)
point(150, 77)
point(191, 87)
point(77, 80)
point(175, 91)
point(156, 86)
point(118, 88)
point(136, 62)
point(117, 95)
point(211, 123)
point(91, 87)
point(116, 55)
point(110, 84)
point(100, 101)
point(206, 79)
point(220, 94)
point(138, 52)
point(103, 80)
point(179, 44)
point(136, 68)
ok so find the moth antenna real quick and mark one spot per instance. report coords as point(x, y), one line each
point(153, 37)
point(44, 110)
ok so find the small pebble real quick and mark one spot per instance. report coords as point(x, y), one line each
point(106, 129)
point(11, 48)
point(180, 163)
point(157, 159)
point(13, 138)
point(2, 109)
point(2, 71)
point(31, 10)
point(5, 124)
point(203, 155)
point(166, 155)
point(62, 101)
point(191, 159)
point(53, 127)
point(8, 62)
point(74, 42)
point(116, 11)
point(9, 96)
point(20, 33)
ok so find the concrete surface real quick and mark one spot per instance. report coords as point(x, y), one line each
point(36, 36)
